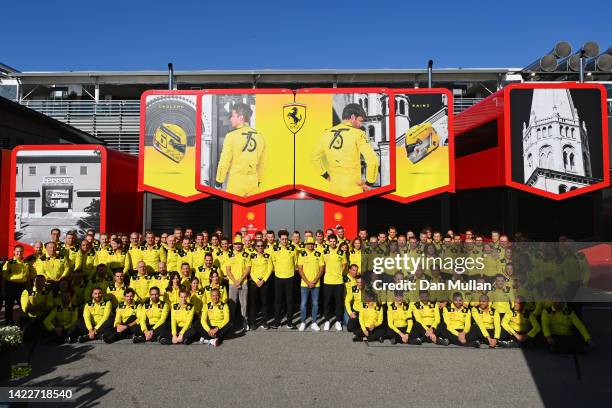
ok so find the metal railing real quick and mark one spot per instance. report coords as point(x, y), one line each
point(117, 122)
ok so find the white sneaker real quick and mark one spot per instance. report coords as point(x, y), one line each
point(326, 326)
point(214, 342)
point(315, 327)
point(204, 341)
point(302, 326)
point(338, 326)
point(247, 328)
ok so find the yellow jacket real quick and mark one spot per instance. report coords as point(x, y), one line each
point(241, 156)
point(61, 316)
point(215, 315)
point(181, 318)
point(338, 154)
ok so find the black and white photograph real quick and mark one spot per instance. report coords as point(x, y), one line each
point(56, 188)
point(556, 138)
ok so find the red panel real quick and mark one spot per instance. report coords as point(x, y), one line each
point(470, 172)
point(5, 200)
point(340, 214)
point(252, 216)
point(124, 201)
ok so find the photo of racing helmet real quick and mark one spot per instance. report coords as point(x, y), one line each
point(171, 141)
point(421, 140)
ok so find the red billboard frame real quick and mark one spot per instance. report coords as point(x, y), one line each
point(131, 222)
point(379, 191)
point(508, 137)
point(450, 187)
point(220, 193)
point(143, 113)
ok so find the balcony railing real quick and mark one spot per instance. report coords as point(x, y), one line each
point(118, 121)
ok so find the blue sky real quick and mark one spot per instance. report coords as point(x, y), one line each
point(237, 34)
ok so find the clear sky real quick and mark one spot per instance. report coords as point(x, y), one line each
point(290, 34)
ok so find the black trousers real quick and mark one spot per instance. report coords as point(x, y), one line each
point(419, 331)
point(335, 294)
point(33, 328)
point(283, 293)
point(258, 295)
point(112, 335)
point(12, 294)
point(80, 329)
point(568, 344)
point(353, 324)
point(221, 334)
point(374, 335)
point(192, 334)
point(161, 331)
point(412, 338)
point(444, 333)
point(476, 335)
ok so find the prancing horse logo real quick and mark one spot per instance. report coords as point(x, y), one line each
point(294, 115)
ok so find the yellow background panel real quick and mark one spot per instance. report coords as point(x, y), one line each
point(429, 173)
point(318, 118)
point(278, 157)
point(165, 174)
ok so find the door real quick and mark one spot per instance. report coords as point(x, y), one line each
point(294, 215)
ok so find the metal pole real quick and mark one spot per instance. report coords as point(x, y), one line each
point(429, 72)
point(170, 76)
point(582, 66)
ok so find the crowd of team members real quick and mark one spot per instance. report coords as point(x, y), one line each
point(185, 287)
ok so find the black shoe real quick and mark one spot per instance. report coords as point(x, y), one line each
point(274, 326)
point(393, 340)
point(165, 341)
point(266, 326)
point(187, 342)
point(83, 339)
point(417, 341)
point(68, 340)
point(381, 339)
point(138, 339)
point(108, 339)
point(475, 344)
point(442, 342)
point(291, 327)
point(357, 339)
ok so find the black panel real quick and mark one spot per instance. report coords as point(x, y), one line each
point(88, 194)
point(202, 215)
point(377, 214)
point(476, 140)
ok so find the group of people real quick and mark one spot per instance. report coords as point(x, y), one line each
point(185, 287)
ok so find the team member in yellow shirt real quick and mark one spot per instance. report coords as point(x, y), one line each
point(161, 279)
point(342, 147)
point(215, 321)
point(457, 322)
point(86, 260)
point(115, 292)
point(311, 268)
point(52, 266)
point(371, 319)
point(185, 254)
point(35, 304)
point(204, 270)
point(61, 318)
point(181, 321)
point(71, 249)
point(261, 269)
point(15, 274)
point(563, 330)
point(237, 270)
point(200, 250)
point(171, 295)
point(141, 283)
point(335, 261)
point(126, 319)
point(520, 327)
point(118, 258)
point(242, 155)
point(400, 321)
point(96, 319)
point(488, 324)
point(284, 258)
point(215, 283)
point(353, 303)
point(153, 319)
point(152, 254)
point(100, 279)
point(172, 255)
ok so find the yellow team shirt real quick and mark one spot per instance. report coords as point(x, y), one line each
point(311, 263)
point(284, 259)
point(335, 262)
point(215, 315)
point(261, 267)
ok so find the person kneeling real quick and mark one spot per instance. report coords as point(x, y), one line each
point(215, 320)
point(61, 318)
point(563, 330)
point(126, 319)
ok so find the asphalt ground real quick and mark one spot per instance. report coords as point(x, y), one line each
point(281, 368)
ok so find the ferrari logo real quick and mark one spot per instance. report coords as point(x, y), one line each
point(294, 115)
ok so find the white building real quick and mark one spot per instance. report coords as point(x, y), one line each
point(556, 154)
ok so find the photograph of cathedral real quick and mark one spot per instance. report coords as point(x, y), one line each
point(558, 134)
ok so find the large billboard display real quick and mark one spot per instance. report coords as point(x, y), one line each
point(424, 143)
point(557, 138)
point(245, 149)
point(345, 149)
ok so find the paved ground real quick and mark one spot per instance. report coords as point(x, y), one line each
point(279, 369)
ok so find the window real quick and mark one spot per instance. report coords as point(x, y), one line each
point(550, 131)
point(568, 158)
point(546, 159)
point(371, 132)
point(365, 105)
point(402, 107)
point(529, 160)
point(62, 170)
point(83, 170)
point(53, 170)
point(17, 170)
point(32, 170)
point(31, 206)
point(562, 188)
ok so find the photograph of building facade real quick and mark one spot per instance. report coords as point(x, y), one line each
point(556, 155)
point(56, 189)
